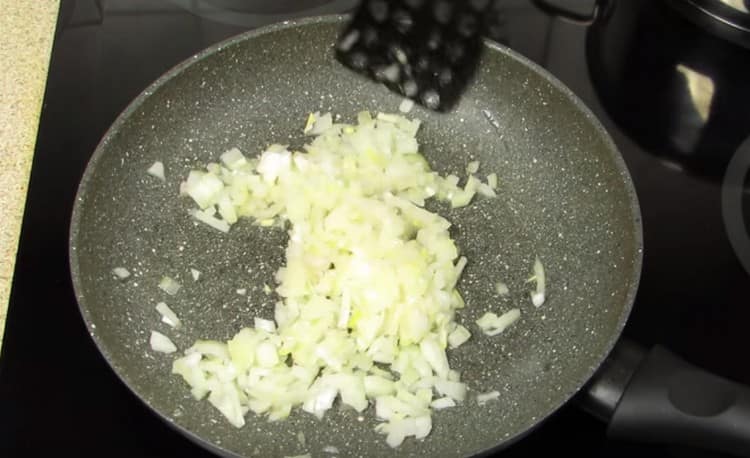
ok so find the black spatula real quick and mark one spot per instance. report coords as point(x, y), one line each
point(426, 50)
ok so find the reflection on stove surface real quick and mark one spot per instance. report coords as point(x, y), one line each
point(251, 14)
point(677, 88)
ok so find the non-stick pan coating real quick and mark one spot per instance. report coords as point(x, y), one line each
point(565, 196)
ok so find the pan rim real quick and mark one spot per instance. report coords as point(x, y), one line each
point(613, 153)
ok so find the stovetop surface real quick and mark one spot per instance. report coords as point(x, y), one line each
point(57, 394)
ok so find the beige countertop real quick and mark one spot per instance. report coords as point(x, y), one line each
point(28, 29)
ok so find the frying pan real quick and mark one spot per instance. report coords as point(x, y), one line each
point(566, 197)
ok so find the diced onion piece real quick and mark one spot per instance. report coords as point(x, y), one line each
point(306, 455)
point(501, 288)
point(435, 356)
point(406, 105)
point(486, 190)
point(266, 355)
point(538, 295)
point(458, 336)
point(423, 426)
point(242, 291)
point(210, 348)
point(169, 285)
point(234, 159)
point(227, 210)
point(226, 399)
point(443, 403)
point(317, 123)
point(196, 274)
point(274, 162)
point(364, 117)
point(463, 197)
point(492, 180)
point(301, 438)
point(203, 187)
point(376, 386)
point(493, 325)
point(167, 315)
point(455, 390)
point(161, 343)
point(400, 428)
point(353, 392)
point(331, 449)
point(157, 170)
point(265, 325)
point(388, 117)
point(121, 272)
point(206, 218)
point(484, 398)
point(311, 118)
point(472, 167)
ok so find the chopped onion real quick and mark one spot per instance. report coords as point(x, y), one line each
point(266, 355)
point(455, 390)
point(169, 286)
point(212, 221)
point(458, 336)
point(233, 159)
point(369, 278)
point(161, 343)
point(306, 455)
point(274, 162)
point(493, 325)
point(400, 428)
point(492, 180)
point(121, 272)
point(330, 449)
point(464, 197)
point(538, 295)
point(472, 167)
point(242, 291)
point(443, 403)
point(376, 386)
point(486, 190)
point(167, 315)
point(196, 274)
point(157, 170)
point(406, 105)
point(203, 187)
point(435, 356)
point(318, 124)
point(501, 288)
point(484, 398)
point(265, 325)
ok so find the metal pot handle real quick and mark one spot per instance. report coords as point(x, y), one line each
point(655, 396)
point(572, 16)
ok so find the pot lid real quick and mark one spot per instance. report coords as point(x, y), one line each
point(729, 19)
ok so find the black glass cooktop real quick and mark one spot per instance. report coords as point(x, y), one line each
point(58, 395)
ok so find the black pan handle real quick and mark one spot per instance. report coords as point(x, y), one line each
point(655, 396)
point(571, 16)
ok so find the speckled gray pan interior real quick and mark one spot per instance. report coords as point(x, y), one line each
point(565, 196)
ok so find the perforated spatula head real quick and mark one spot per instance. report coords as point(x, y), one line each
point(426, 50)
